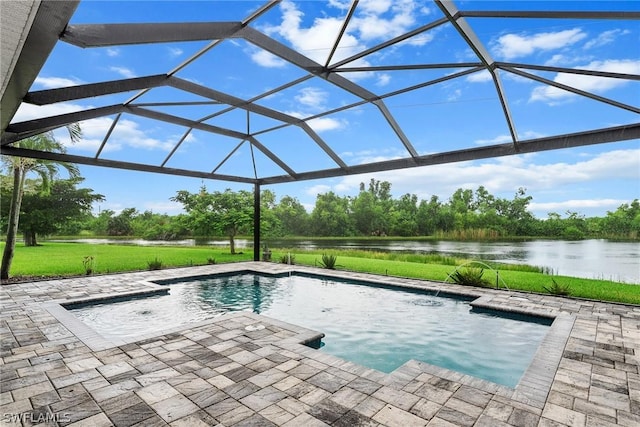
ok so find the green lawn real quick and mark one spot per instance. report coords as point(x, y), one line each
point(66, 259)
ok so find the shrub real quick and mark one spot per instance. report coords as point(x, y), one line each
point(88, 263)
point(156, 264)
point(288, 259)
point(573, 233)
point(470, 277)
point(328, 261)
point(558, 289)
point(211, 261)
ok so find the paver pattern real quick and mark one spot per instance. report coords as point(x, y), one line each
point(228, 372)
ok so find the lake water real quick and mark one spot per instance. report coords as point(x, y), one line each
point(591, 259)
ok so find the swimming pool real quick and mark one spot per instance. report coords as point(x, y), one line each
point(374, 326)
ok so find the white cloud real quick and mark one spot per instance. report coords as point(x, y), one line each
point(127, 133)
point(511, 46)
point(576, 205)
point(375, 6)
point(372, 156)
point(174, 52)
point(266, 59)
point(312, 97)
point(374, 20)
point(455, 95)
point(169, 208)
point(322, 124)
point(555, 95)
point(557, 60)
point(29, 111)
point(424, 38)
point(480, 77)
point(502, 139)
point(112, 52)
point(504, 175)
point(317, 189)
point(55, 82)
point(315, 41)
point(311, 100)
point(383, 79)
point(340, 4)
point(123, 71)
point(385, 18)
point(606, 37)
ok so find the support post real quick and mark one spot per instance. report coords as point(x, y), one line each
point(256, 222)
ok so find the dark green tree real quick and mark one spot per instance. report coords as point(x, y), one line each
point(226, 212)
point(463, 207)
point(404, 217)
point(100, 223)
point(518, 220)
point(366, 214)
point(624, 221)
point(47, 213)
point(433, 216)
point(122, 224)
point(153, 226)
point(270, 222)
point(294, 219)
point(371, 209)
point(330, 217)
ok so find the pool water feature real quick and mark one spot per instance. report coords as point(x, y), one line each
point(375, 326)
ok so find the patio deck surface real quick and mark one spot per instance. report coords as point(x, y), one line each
point(227, 372)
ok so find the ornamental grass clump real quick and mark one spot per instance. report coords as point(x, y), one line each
point(88, 263)
point(288, 259)
point(328, 261)
point(558, 289)
point(470, 277)
point(156, 264)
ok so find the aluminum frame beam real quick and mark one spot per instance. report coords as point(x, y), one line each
point(464, 29)
point(595, 73)
point(103, 35)
point(116, 164)
point(550, 14)
point(51, 96)
point(22, 130)
point(579, 139)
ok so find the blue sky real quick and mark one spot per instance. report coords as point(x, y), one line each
point(460, 113)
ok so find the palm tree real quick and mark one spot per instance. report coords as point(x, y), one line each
point(47, 170)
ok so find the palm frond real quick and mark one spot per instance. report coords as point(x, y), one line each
point(75, 133)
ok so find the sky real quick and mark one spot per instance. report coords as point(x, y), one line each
point(460, 113)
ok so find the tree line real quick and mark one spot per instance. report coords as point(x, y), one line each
point(467, 214)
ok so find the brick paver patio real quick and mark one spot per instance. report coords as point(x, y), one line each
point(243, 369)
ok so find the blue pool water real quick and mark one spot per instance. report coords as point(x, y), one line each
point(374, 326)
